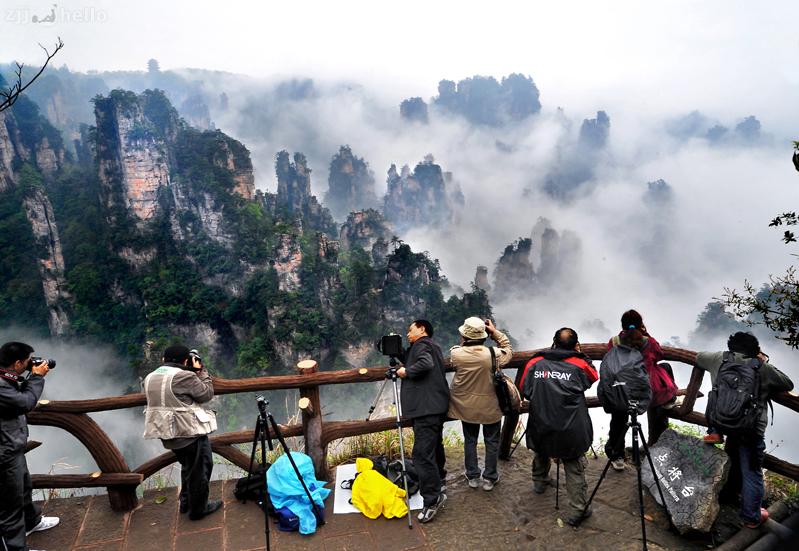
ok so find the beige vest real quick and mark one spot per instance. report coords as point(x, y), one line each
point(166, 417)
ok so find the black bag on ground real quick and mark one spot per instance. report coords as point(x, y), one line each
point(623, 378)
point(249, 488)
point(732, 404)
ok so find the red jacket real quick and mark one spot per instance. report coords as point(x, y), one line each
point(589, 370)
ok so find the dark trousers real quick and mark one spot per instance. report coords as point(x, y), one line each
point(17, 511)
point(196, 465)
point(746, 474)
point(471, 431)
point(657, 419)
point(428, 455)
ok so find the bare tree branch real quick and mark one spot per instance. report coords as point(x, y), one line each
point(11, 95)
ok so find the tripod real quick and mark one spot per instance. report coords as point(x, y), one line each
point(391, 375)
point(263, 437)
point(632, 410)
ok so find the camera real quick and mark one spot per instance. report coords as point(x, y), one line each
point(36, 360)
point(194, 355)
point(389, 345)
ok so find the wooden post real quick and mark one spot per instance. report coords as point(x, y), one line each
point(312, 420)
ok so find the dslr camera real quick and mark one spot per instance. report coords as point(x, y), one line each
point(194, 355)
point(390, 345)
point(36, 360)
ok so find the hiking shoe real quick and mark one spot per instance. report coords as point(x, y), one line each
point(474, 483)
point(713, 438)
point(540, 486)
point(763, 518)
point(576, 519)
point(428, 513)
point(210, 507)
point(488, 485)
point(618, 464)
point(45, 524)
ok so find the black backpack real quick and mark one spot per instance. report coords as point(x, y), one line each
point(732, 404)
point(248, 488)
point(623, 378)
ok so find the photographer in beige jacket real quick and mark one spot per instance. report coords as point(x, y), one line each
point(473, 399)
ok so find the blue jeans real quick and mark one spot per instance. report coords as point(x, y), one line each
point(471, 432)
point(749, 455)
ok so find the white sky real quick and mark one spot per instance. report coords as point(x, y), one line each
point(723, 56)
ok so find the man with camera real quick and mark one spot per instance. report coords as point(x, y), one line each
point(743, 370)
point(425, 400)
point(18, 395)
point(554, 381)
point(175, 392)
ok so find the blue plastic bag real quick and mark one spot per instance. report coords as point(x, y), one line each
point(285, 490)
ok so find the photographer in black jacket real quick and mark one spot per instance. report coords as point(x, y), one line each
point(425, 399)
point(18, 396)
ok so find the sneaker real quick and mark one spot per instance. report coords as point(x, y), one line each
point(210, 507)
point(428, 513)
point(618, 464)
point(443, 489)
point(45, 524)
point(474, 483)
point(488, 485)
point(763, 518)
point(576, 519)
point(714, 438)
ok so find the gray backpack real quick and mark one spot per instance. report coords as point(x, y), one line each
point(623, 379)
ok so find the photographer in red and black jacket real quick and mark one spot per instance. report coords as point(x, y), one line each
point(558, 427)
point(18, 395)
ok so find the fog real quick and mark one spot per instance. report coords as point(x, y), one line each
point(646, 66)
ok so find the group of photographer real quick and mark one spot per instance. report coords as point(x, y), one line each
point(559, 427)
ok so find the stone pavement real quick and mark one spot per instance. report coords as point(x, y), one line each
point(510, 517)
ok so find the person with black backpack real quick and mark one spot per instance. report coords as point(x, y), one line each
point(630, 371)
point(743, 385)
point(558, 427)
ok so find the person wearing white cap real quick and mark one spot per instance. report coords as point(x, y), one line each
point(473, 399)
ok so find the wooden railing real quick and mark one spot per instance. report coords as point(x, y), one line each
point(121, 481)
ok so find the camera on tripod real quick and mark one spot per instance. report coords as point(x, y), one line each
point(36, 360)
point(390, 345)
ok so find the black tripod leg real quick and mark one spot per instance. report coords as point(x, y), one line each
point(255, 435)
point(287, 451)
point(657, 479)
point(598, 483)
point(516, 445)
point(264, 431)
point(636, 426)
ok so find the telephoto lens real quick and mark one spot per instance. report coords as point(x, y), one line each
point(36, 360)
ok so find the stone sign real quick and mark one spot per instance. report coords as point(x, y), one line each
point(691, 475)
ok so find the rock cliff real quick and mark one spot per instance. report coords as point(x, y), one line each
point(426, 196)
point(351, 184)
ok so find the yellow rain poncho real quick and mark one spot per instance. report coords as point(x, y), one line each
point(373, 493)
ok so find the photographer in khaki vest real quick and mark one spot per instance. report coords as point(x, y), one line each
point(175, 392)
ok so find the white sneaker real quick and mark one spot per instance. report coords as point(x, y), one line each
point(474, 483)
point(45, 524)
point(617, 464)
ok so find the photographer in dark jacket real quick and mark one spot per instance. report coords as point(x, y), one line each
point(425, 399)
point(18, 396)
point(554, 381)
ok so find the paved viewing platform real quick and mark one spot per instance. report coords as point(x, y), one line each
point(509, 517)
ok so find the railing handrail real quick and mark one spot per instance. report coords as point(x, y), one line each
point(71, 415)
